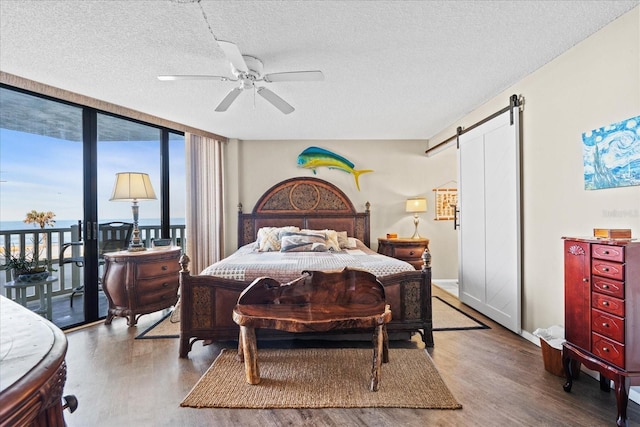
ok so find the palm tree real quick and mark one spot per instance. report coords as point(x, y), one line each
point(41, 218)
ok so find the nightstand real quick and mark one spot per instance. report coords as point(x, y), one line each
point(138, 283)
point(406, 249)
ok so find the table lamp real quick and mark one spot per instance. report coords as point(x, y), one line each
point(133, 186)
point(416, 205)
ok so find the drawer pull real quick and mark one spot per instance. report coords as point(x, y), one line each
point(411, 253)
point(585, 280)
point(164, 268)
point(605, 286)
point(605, 303)
point(606, 325)
point(605, 268)
point(605, 349)
point(165, 284)
point(605, 252)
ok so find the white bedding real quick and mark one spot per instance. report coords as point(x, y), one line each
point(247, 263)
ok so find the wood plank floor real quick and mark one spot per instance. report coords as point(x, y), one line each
point(496, 375)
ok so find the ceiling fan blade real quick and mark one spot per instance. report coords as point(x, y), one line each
point(295, 76)
point(274, 99)
point(228, 100)
point(234, 56)
point(191, 77)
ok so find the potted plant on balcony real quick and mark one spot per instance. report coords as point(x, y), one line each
point(28, 267)
point(25, 268)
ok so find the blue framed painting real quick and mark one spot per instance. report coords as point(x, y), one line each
point(611, 155)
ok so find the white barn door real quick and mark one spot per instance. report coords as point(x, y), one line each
point(489, 202)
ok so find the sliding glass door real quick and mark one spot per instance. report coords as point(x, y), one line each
point(41, 193)
point(58, 166)
point(121, 146)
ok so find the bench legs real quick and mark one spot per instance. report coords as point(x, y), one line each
point(248, 352)
point(247, 344)
point(380, 355)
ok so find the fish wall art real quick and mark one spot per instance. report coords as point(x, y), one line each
point(315, 157)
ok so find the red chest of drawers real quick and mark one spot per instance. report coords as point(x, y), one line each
point(602, 313)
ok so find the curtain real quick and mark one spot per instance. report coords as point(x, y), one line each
point(205, 191)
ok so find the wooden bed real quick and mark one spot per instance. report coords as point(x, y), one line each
point(207, 301)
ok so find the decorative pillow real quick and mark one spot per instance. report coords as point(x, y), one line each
point(269, 237)
point(352, 243)
point(332, 240)
point(303, 242)
point(330, 235)
point(343, 239)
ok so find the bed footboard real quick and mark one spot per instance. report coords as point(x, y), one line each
point(206, 306)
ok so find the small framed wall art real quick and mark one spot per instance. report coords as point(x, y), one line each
point(445, 204)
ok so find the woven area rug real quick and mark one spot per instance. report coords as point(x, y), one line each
point(323, 378)
point(445, 318)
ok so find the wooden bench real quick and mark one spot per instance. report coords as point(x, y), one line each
point(316, 302)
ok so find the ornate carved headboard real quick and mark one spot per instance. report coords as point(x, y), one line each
point(306, 202)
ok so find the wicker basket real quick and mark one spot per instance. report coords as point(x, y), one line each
point(552, 358)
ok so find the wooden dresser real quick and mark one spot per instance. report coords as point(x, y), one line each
point(32, 367)
point(138, 283)
point(602, 313)
point(406, 249)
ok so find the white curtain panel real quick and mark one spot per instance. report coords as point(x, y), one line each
point(204, 213)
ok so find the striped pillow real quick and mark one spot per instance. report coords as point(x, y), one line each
point(303, 242)
point(330, 235)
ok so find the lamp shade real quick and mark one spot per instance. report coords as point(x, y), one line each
point(132, 186)
point(417, 204)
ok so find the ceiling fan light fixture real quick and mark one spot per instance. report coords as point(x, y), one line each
point(248, 70)
point(254, 68)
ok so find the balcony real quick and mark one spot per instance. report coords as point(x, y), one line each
point(46, 242)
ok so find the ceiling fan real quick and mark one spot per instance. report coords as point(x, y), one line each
point(248, 70)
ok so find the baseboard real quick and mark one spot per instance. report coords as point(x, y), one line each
point(447, 285)
point(445, 280)
point(530, 337)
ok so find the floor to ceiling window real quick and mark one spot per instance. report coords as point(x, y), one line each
point(177, 185)
point(58, 165)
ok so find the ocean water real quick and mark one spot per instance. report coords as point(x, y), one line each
point(64, 223)
point(19, 225)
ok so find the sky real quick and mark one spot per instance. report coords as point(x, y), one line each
point(45, 174)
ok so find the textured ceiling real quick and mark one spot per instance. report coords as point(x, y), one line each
point(393, 69)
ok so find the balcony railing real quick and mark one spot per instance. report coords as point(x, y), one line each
point(47, 242)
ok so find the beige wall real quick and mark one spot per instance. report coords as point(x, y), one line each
point(595, 83)
point(398, 166)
